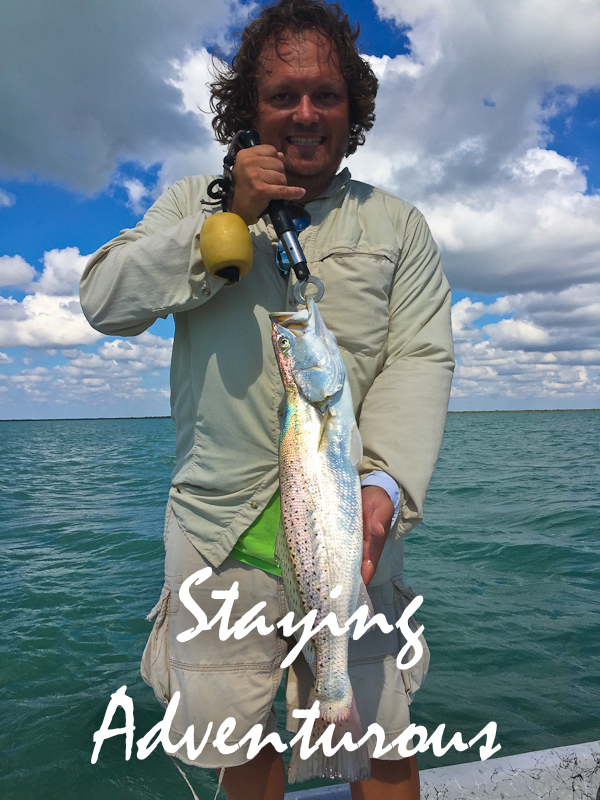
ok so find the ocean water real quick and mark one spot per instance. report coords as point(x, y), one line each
point(507, 562)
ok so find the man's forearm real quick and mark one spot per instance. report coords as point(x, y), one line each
point(148, 272)
point(402, 417)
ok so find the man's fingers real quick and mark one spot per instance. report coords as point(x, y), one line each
point(377, 528)
point(374, 539)
point(248, 161)
point(367, 571)
point(261, 150)
point(378, 510)
point(259, 178)
point(379, 520)
point(284, 192)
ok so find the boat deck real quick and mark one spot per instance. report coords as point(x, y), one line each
point(564, 773)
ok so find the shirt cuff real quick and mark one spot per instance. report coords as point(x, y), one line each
point(389, 485)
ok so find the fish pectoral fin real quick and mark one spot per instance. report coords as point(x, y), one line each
point(356, 446)
point(328, 415)
point(365, 600)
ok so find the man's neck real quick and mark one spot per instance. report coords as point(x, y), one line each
point(314, 184)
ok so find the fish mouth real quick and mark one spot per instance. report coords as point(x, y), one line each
point(296, 322)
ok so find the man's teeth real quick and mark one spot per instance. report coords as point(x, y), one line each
point(306, 139)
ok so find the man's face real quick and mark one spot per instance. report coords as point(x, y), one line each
point(303, 108)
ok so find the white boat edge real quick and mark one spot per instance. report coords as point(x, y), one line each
point(562, 773)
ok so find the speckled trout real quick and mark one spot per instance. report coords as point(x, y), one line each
point(321, 550)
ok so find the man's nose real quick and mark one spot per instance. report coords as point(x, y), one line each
point(305, 113)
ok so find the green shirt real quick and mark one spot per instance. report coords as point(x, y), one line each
point(256, 546)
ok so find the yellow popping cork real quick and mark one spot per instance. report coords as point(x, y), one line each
point(226, 246)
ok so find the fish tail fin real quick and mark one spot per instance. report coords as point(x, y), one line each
point(365, 600)
point(344, 764)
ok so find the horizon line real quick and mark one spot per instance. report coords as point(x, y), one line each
point(166, 416)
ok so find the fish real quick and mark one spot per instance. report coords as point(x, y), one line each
point(320, 544)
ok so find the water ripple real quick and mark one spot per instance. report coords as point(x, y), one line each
point(507, 561)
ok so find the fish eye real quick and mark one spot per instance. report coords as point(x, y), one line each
point(284, 343)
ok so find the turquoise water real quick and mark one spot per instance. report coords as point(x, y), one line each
point(508, 564)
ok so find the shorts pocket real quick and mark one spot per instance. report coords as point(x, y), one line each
point(413, 677)
point(155, 658)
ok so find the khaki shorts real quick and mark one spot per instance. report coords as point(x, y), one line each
point(239, 678)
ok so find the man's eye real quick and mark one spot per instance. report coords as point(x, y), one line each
point(282, 97)
point(330, 97)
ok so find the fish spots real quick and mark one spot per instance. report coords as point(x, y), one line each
point(320, 501)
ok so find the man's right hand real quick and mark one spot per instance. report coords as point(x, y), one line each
point(259, 178)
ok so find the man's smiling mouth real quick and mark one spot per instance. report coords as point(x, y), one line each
point(305, 140)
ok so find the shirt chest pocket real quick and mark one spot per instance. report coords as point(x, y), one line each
point(357, 296)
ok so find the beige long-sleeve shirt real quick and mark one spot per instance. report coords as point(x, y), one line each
point(386, 300)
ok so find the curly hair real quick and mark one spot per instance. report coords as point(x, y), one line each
point(233, 92)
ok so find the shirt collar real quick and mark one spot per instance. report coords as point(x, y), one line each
point(338, 184)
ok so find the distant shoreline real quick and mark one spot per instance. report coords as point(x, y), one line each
point(524, 411)
point(499, 411)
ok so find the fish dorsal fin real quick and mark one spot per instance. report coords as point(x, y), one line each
point(356, 447)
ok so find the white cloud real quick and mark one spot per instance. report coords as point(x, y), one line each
point(462, 131)
point(50, 318)
point(120, 368)
point(137, 195)
point(15, 272)
point(510, 334)
point(193, 73)
point(549, 347)
point(464, 313)
point(61, 273)
point(34, 382)
point(90, 86)
point(144, 351)
point(486, 371)
point(46, 321)
point(569, 320)
point(7, 199)
point(52, 315)
point(533, 228)
point(468, 51)
point(387, 68)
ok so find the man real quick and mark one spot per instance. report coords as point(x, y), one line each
point(298, 80)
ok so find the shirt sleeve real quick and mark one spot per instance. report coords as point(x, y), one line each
point(389, 485)
point(151, 270)
point(403, 414)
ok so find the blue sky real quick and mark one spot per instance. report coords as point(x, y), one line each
point(487, 119)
